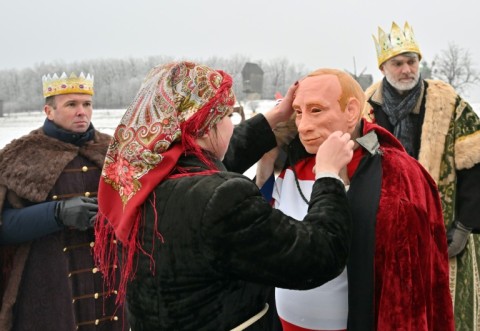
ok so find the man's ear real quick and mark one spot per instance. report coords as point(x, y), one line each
point(382, 69)
point(48, 111)
point(353, 110)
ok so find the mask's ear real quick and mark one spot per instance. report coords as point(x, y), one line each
point(353, 113)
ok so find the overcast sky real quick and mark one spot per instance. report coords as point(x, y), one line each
point(316, 33)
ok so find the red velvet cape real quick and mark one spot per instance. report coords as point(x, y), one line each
point(411, 284)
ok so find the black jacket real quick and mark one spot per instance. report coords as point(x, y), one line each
point(222, 249)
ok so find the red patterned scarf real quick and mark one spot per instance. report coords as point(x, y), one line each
point(177, 103)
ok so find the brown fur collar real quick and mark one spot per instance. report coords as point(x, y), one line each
point(467, 147)
point(30, 165)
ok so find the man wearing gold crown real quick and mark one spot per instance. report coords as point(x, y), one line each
point(48, 186)
point(440, 129)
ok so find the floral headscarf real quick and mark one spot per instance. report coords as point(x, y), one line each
point(177, 103)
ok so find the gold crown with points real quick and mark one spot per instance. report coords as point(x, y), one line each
point(395, 43)
point(54, 85)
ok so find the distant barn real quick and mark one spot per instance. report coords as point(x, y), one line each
point(252, 77)
point(365, 80)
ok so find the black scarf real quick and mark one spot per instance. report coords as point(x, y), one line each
point(399, 111)
point(77, 139)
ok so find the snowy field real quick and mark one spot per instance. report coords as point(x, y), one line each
point(17, 124)
point(105, 120)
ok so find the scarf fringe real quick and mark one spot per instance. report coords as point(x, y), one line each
point(108, 259)
point(106, 255)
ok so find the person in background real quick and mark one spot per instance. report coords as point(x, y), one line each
point(438, 128)
point(199, 247)
point(48, 187)
point(397, 271)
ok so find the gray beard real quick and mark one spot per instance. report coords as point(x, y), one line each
point(401, 87)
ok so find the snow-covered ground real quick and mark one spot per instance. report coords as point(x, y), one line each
point(252, 107)
point(105, 120)
point(17, 124)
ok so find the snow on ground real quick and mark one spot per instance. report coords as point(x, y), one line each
point(252, 107)
point(106, 120)
point(15, 125)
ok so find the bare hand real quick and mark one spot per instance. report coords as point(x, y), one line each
point(283, 111)
point(334, 153)
point(266, 167)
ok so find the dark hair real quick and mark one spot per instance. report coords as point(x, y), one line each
point(50, 101)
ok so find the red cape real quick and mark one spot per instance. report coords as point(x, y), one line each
point(411, 280)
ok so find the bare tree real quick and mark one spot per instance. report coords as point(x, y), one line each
point(454, 65)
point(425, 70)
point(117, 80)
point(279, 75)
point(233, 66)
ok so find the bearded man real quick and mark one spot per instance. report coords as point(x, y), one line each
point(438, 128)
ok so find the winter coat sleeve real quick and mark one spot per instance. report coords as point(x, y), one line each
point(249, 240)
point(468, 197)
point(25, 224)
point(467, 163)
point(251, 139)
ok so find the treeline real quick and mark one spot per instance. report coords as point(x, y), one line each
point(118, 80)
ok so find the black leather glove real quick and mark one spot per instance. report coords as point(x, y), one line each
point(79, 212)
point(457, 238)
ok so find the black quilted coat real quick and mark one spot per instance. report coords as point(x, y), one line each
point(224, 248)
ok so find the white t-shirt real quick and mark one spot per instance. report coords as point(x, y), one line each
point(324, 307)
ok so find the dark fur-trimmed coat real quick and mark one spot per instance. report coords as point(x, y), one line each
point(47, 273)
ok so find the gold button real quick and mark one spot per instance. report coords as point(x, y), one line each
point(94, 270)
point(115, 318)
point(97, 322)
point(55, 197)
point(95, 295)
point(87, 194)
point(84, 168)
point(92, 244)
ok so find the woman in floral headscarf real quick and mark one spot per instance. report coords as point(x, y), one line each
point(199, 247)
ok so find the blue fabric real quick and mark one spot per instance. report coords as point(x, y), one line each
point(21, 225)
point(267, 188)
point(78, 139)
